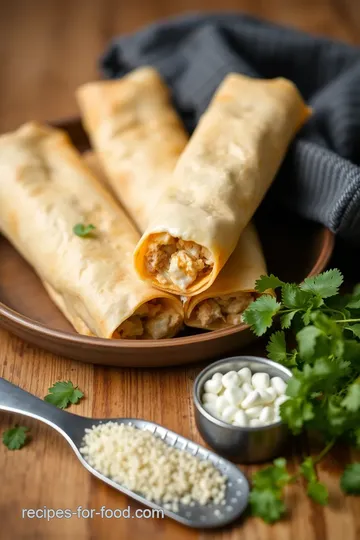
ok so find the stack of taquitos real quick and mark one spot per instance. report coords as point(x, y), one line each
point(138, 139)
point(45, 190)
point(196, 216)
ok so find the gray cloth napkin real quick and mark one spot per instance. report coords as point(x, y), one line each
point(320, 178)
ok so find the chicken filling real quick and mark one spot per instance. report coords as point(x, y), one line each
point(173, 261)
point(226, 310)
point(156, 319)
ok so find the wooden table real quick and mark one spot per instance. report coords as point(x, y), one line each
point(47, 49)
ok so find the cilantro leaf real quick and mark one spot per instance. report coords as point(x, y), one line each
point(294, 298)
point(294, 387)
point(296, 412)
point(260, 313)
point(326, 371)
point(275, 475)
point(63, 393)
point(307, 469)
point(307, 316)
point(339, 303)
point(15, 438)
point(306, 339)
point(266, 496)
point(267, 504)
point(354, 302)
point(315, 489)
point(318, 492)
point(267, 282)
point(351, 402)
point(313, 304)
point(337, 417)
point(277, 347)
point(325, 285)
point(286, 319)
point(326, 324)
point(355, 329)
point(83, 230)
point(350, 479)
point(325, 375)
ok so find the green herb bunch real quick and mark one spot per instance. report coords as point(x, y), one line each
point(324, 392)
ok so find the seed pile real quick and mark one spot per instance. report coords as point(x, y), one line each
point(142, 462)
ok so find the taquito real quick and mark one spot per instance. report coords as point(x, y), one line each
point(223, 304)
point(45, 192)
point(219, 182)
point(137, 136)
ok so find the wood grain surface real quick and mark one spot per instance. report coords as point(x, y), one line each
point(48, 48)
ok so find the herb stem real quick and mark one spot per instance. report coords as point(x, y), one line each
point(332, 310)
point(316, 460)
point(348, 320)
point(324, 451)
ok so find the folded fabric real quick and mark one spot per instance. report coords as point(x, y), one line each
point(320, 179)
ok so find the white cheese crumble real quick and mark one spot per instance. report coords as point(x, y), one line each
point(142, 462)
point(244, 399)
point(183, 269)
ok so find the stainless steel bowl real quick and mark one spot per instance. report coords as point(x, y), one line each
point(240, 444)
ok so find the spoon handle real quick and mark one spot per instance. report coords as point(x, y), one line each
point(14, 399)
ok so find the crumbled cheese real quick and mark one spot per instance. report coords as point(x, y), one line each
point(144, 463)
point(183, 269)
point(244, 399)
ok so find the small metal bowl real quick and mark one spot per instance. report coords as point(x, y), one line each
point(240, 444)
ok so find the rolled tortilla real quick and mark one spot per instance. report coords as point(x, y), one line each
point(219, 182)
point(45, 190)
point(222, 305)
point(137, 136)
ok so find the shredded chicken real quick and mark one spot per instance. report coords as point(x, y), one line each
point(159, 252)
point(226, 310)
point(176, 261)
point(208, 311)
point(153, 320)
point(158, 327)
point(132, 328)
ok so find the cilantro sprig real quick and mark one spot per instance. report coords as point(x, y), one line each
point(267, 495)
point(296, 300)
point(16, 437)
point(63, 393)
point(324, 392)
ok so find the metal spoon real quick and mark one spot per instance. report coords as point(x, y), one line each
point(72, 427)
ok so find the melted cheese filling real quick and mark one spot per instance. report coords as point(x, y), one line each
point(173, 261)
